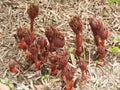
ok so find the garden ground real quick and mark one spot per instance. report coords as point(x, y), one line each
point(58, 13)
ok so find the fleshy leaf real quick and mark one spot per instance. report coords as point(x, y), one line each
point(118, 1)
point(114, 49)
point(111, 2)
point(10, 82)
point(11, 85)
point(72, 50)
point(117, 39)
point(45, 77)
point(96, 63)
point(6, 80)
point(3, 81)
point(84, 56)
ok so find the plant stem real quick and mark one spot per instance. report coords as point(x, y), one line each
point(53, 70)
point(51, 46)
point(31, 24)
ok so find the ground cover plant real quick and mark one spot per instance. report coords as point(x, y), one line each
point(49, 59)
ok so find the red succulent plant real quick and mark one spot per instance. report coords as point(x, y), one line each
point(22, 45)
point(103, 33)
point(12, 66)
point(55, 38)
point(50, 34)
point(76, 25)
point(83, 67)
point(62, 58)
point(37, 64)
point(41, 42)
point(20, 33)
point(78, 44)
point(33, 49)
point(59, 40)
point(33, 13)
point(67, 76)
point(82, 64)
point(95, 24)
point(100, 35)
point(58, 56)
point(53, 59)
point(62, 62)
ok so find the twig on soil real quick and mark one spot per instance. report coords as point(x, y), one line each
point(31, 85)
point(21, 72)
point(3, 56)
point(22, 75)
point(5, 72)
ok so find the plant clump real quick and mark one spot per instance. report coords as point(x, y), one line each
point(51, 51)
point(12, 66)
point(100, 34)
point(76, 25)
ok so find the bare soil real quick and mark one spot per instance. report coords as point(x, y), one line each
point(58, 13)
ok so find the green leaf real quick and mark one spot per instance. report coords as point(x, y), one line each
point(3, 81)
point(10, 82)
point(118, 1)
point(117, 39)
point(114, 49)
point(11, 85)
point(111, 2)
point(72, 50)
point(96, 63)
point(45, 77)
point(84, 56)
point(6, 80)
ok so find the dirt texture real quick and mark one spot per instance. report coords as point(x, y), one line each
point(13, 14)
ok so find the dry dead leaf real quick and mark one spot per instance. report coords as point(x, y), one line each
point(40, 87)
point(73, 59)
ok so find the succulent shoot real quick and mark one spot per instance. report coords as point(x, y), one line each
point(12, 66)
point(62, 58)
point(103, 33)
point(78, 44)
point(41, 42)
point(59, 40)
point(62, 62)
point(22, 45)
point(69, 85)
point(82, 64)
point(76, 25)
point(33, 50)
point(37, 65)
point(50, 34)
point(25, 36)
point(100, 34)
point(53, 59)
point(32, 13)
point(67, 76)
point(55, 38)
point(37, 51)
point(21, 33)
point(95, 24)
point(83, 67)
